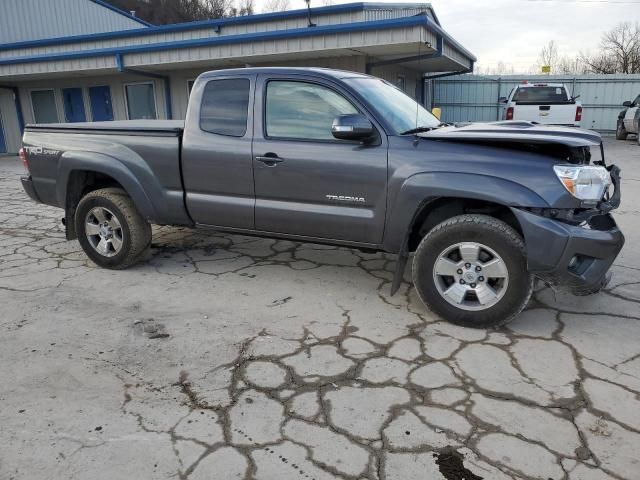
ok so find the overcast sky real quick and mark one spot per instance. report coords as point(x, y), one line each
point(514, 31)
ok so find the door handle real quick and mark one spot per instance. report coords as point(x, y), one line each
point(270, 159)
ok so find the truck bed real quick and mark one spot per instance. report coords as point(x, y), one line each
point(134, 127)
point(130, 153)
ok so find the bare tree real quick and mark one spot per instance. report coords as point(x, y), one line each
point(619, 51)
point(549, 55)
point(246, 7)
point(162, 12)
point(499, 68)
point(276, 6)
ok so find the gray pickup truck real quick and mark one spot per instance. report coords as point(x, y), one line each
point(337, 157)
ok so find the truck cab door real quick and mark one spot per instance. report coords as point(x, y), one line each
point(631, 114)
point(308, 183)
point(216, 152)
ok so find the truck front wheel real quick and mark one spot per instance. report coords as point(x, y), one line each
point(110, 230)
point(472, 271)
point(621, 132)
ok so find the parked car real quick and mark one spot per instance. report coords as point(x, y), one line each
point(547, 103)
point(343, 158)
point(629, 120)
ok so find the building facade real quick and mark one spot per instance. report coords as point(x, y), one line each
point(148, 71)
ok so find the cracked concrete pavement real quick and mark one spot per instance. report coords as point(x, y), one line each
point(223, 357)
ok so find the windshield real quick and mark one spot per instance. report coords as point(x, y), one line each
point(397, 108)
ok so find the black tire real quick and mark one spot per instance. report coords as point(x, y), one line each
point(136, 231)
point(621, 132)
point(492, 233)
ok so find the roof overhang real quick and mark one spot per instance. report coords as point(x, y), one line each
point(417, 42)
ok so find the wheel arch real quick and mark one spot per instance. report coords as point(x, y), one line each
point(425, 197)
point(437, 210)
point(79, 174)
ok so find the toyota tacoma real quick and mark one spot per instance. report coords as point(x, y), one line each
point(337, 157)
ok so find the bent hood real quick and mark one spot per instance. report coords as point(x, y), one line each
point(514, 132)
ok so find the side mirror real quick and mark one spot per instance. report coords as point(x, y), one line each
point(575, 98)
point(626, 104)
point(353, 126)
point(437, 112)
point(502, 99)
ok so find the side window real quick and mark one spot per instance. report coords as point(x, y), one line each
point(141, 101)
point(304, 111)
point(636, 102)
point(44, 106)
point(224, 107)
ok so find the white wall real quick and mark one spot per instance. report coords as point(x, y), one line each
point(115, 82)
point(9, 121)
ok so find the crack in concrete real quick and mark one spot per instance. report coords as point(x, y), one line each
point(323, 383)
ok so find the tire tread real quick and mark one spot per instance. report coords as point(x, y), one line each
point(477, 220)
point(139, 228)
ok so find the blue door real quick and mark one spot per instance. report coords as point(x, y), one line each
point(101, 108)
point(3, 144)
point(73, 105)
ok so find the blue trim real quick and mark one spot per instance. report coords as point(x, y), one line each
point(119, 62)
point(121, 12)
point(18, 103)
point(226, 40)
point(217, 23)
point(165, 79)
point(178, 27)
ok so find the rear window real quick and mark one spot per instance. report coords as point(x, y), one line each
point(224, 108)
point(540, 95)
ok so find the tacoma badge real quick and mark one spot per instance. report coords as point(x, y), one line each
point(345, 198)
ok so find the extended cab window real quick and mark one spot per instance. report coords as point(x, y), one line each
point(224, 107)
point(300, 110)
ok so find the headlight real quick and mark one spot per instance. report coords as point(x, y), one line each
point(586, 182)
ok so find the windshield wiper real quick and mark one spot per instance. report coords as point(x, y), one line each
point(423, 129)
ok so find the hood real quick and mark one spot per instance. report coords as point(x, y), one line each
point(514, 132)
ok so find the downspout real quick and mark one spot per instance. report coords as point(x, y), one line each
point(164, 78)
point(18, 104)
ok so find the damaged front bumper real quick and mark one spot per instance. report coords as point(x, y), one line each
point(573, 249)
point(577, 257)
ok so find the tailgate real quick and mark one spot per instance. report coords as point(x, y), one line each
point(557, 114)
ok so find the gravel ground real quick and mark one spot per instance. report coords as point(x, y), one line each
point(225, 357)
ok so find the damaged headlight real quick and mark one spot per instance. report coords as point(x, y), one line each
point(586, 182)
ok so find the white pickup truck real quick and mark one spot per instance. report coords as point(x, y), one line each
point(629, 120)
point(547, 103)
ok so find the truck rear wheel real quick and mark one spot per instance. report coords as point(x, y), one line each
point(621, 132)
point(110, 230)
point(472, 271)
